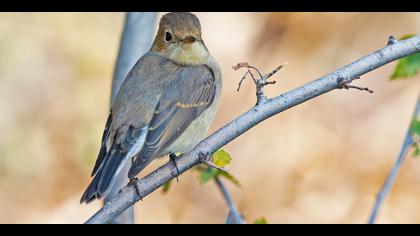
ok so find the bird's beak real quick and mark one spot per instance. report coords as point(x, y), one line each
point(188, 39)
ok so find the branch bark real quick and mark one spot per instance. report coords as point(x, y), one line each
point(234, 216)
point(136, 39)
point(129, 195)
point(392, 176)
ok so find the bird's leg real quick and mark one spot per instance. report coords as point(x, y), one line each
point(172, 158)
point(133, 182)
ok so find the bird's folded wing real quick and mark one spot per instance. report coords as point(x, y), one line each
point(191, 90)
point(127, 122)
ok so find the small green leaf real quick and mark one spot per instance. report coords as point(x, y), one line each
point(416, 152)
point(166, 186)
point(415, 127)
point(221, 158)
point(407, 36)
point(407, 67)
point(261, 221)
point(207, 175)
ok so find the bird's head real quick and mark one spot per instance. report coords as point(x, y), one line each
point(179, 39)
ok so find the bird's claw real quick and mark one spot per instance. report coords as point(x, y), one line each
point(172, 158)
point(133, 181)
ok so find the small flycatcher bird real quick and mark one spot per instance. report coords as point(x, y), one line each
point(164, 106)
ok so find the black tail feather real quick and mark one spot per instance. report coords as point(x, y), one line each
point(91, 192)
point(111, 168)
point(104, 177)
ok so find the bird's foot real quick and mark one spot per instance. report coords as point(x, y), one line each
point(133, 181)
point(172, 158)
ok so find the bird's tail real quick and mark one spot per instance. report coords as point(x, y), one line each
point(105, 176)
point(91, 192)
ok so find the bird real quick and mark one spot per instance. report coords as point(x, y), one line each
point(165, 105)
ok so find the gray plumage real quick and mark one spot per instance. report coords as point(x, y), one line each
point(162, 107)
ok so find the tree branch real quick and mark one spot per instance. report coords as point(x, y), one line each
point(234, 216)
point(136, 39)
point(128, 195)
point(392, 176)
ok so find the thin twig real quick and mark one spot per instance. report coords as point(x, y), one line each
point(246, 65)
point(212, 165)
point(275, 70)
point(261, 82)
point(127, 196)
point(234, 216)
point(390, 180)
point(345, 84)
point(242, 80)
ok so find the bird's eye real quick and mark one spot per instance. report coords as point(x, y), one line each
point(168, 36)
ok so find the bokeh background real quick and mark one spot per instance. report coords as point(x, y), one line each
point(320, 162)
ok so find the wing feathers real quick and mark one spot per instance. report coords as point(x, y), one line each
point(189, 95)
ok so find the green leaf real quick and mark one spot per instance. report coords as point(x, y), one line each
point(407, 67)
point(415, 127)
point(207, 174)
point(221, 158)
point(166, 186)
point(416, 152)
point(261, 221)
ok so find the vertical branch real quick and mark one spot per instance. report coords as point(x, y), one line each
point(135, 41)
point(390, 180)
point(234, 217)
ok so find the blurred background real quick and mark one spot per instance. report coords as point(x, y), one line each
point(320, 162)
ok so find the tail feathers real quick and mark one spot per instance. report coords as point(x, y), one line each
point(111, 168)
point(91, 192)
point(102, 182)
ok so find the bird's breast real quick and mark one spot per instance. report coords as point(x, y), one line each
point(197, 129)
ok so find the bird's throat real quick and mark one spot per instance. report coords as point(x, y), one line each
point(190, 54)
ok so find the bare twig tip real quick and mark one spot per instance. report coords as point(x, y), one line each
point(260, 82)
point(242, 80)
point(240, 65)
point(212, 165)
point(345, 84)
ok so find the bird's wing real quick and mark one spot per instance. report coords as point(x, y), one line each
point(127, 124)
point(102, 150)
point(190, 91)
